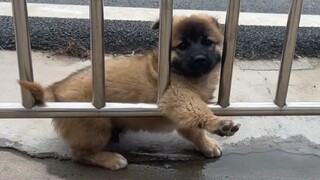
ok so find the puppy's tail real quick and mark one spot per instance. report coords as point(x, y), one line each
point(35, 89)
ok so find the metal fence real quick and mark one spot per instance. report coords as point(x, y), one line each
point(99, 107)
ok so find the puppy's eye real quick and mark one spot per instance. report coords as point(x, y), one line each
point(183, 46)
point(207, 42)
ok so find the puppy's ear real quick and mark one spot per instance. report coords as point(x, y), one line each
point(155, 25)
point(215, 22)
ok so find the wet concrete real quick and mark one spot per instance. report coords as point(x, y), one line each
point(274, 164)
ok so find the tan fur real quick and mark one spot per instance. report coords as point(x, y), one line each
point(35, 89)
point(134, 80)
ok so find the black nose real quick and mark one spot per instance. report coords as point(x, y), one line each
point(199, 60)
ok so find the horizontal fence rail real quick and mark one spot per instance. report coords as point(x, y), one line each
point(54, 110)
point(99, 107)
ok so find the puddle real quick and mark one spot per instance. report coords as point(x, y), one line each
point(265, 165)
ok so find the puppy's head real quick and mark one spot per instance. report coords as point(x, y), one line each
point(196, 44)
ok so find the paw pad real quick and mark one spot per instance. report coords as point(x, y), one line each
point(228, 128)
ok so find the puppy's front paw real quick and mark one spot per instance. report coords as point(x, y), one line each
point(227, 128)
point(210, 148)
point(118, 162)
point(113, 161)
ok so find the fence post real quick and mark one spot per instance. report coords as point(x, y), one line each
point(20, 18)
point(97, 53)
point(288, 52)
point(164, 46)
point(229, 48)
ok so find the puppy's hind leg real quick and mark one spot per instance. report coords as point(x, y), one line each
point(113, 161)
point(209, 147)
point(87, 137)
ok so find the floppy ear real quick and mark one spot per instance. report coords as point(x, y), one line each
point(155, 25)
point(215, 22)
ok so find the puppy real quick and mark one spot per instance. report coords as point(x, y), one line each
point(195, 57)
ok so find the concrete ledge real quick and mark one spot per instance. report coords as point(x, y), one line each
point(296, 134)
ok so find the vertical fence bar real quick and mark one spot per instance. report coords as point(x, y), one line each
point(97, 53)
point(288, 52)
point(164, 45)
point(20, 18)
point(229, 48)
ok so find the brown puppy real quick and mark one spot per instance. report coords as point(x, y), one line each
point(196, 52)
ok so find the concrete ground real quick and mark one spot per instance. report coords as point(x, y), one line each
point(264, 147)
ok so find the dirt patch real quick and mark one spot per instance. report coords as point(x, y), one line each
point(74, 49)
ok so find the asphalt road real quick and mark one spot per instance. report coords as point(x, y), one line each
point(254, 42)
